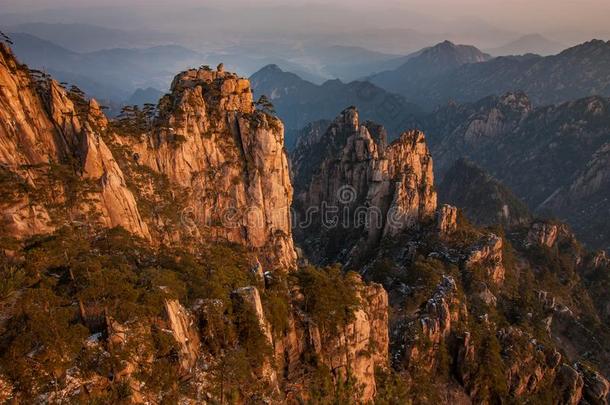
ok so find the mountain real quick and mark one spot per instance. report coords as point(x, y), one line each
point(150, 259)
point(429, 63)
point(88, 37)
point(482, 198)
point(532, 43)
point(372, 206)
point(351, 163)
point(547, 80)
point(299, 102)
point(535, 152)
point(352, 62)
point(110, 74)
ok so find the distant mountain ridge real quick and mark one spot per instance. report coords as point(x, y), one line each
point(299, 102)
point(110, 74)
point(430, 62)
point(547, 80)
point(532, 43)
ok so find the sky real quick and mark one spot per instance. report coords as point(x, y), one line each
point(483, 22)
point(586, 14)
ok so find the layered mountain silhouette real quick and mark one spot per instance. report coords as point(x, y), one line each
point(429, 63)
point(532, 43)
point(299, 102)
point(450, 72)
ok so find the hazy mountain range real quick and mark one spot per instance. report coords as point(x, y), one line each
point(449, 72)
point(299, 102)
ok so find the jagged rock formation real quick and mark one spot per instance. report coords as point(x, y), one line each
point(488, 254)
point(350, 168)
point(201, 308)
point(41, 130)
point(185, 333)
point(444, 321)
point(361, 346)
point(207, 137)
point(446, 220)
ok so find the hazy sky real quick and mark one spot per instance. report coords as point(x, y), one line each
point(568, 21)
point(584, 14)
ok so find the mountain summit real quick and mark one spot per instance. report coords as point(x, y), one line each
point(430, 62)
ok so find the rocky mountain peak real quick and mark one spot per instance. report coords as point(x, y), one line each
point(351, 166)
point(451, 54)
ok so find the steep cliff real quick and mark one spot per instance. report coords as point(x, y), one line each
point(48, 147)
point(225, 158)
point(353, 190)
point(208, 158)
point(469, 308)
point(150, 259)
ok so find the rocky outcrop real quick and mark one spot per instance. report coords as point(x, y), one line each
point(42, 129)
point(570, 383)
point(349, 180)
point(251, 297)
point(529, 363)
point(543, 234)
point(596, 387)
point(223, 158)
point(362, 345)
point(446, 220)
point(432, 326)
point(488, 254)
point(410, 167)
point(227, 158)
point(185, 333)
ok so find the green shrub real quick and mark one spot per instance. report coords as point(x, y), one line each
point(330, 296)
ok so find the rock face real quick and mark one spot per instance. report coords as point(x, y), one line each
point(349, 180)
point(361, 346)
point(224, 160)
point(185, 333)
point(41, 128)
point(545, 234)
point(489, 255)
point(440, 316)
point(209, 138)
point(446, 220)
